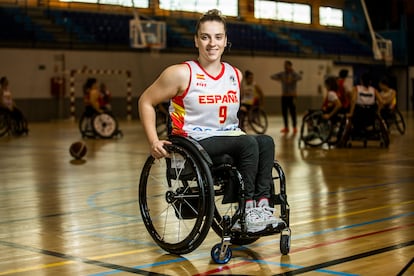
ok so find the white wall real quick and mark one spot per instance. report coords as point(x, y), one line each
point(30, 71)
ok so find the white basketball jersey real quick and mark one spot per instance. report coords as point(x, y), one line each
point(209, 105)
point(365, 96)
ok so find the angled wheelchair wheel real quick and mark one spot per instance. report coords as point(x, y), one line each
point(382, 130)
point(315, 131)
point(399, 121)
point(176, 199)
point(257, 119)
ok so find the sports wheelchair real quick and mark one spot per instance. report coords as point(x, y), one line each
point(99, 125)
point(12, 123)
point(365, 125)
point(316, 131)
point(182, 196)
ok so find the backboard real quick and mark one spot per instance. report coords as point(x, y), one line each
point(147, 33)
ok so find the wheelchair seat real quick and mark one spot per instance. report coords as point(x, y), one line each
point(184, 195)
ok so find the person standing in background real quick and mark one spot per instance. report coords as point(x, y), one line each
point(288, 78)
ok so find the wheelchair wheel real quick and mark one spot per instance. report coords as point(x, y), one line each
point(176, 199)
point(105, 125)
point(315, 131)
point(18, 126)
point(257, 119)
point(4, 123)
point(381, 128)
point(399, 121)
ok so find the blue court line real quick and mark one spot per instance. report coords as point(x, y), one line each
point(198, 256)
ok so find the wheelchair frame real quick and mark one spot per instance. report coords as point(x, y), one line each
point(373, 128)
point(182, 196)
point(12, 126)
point(99, 125)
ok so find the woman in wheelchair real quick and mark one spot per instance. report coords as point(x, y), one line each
point(389, 98)
point(97, 120)
point(13, 120)
point(331, 104)
point(92, 98)
point(365, 122)
point(251, 95)
point(205, 99)
point(324, 125)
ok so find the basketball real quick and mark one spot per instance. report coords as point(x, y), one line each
point(78, 150)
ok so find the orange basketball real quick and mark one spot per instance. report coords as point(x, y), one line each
point(78, 150)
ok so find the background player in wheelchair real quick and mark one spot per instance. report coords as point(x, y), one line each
point(205, 99)
point(12, 120)
point(97, 119)
point(251, 96)
point(324, 125)
point(365, 122)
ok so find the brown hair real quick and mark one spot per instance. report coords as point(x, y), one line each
point(211, 15)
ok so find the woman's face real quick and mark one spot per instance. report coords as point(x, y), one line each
point(211, 40)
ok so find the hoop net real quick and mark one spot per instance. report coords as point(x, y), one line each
point(155, 49)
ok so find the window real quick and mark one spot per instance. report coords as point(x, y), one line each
point(126, 3)
point(283, 11)
point(227, 7)
point(331, 17)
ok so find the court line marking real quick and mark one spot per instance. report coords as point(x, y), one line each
point(86, 260)
point(73, 259)
point(332, 262)
point(354, 213)
point(319, 219)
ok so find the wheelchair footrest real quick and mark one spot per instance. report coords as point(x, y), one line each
point(269, 230)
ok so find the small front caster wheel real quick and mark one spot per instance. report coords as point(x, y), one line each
point(219, 258)
point(284, 244)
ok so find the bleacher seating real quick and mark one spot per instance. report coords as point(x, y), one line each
point(99, 29)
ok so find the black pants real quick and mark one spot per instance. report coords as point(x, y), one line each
point(254, 156)
point(289, 105)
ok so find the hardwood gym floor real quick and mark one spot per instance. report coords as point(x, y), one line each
point(352, 209)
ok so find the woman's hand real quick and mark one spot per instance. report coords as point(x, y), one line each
point(158, 150)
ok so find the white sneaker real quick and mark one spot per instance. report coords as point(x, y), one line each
point(269, 218)
point(254, 220)
point(267, 212)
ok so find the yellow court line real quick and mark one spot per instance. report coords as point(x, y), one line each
point(354, 213)
point(43, 266)
point(37, 267)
